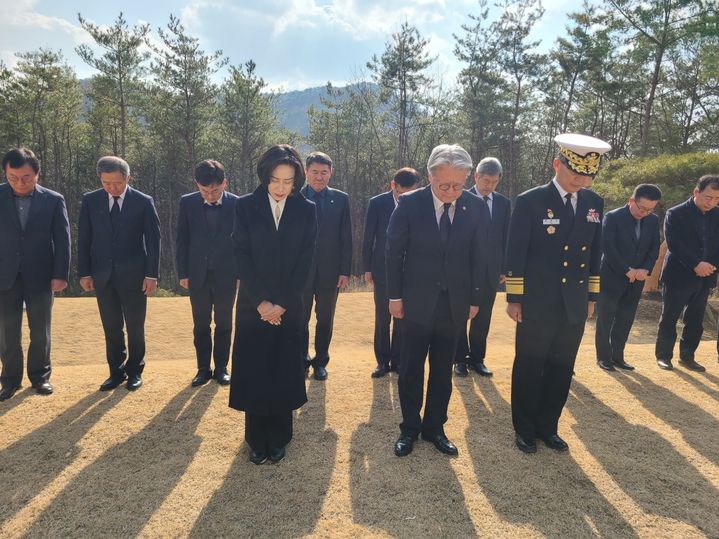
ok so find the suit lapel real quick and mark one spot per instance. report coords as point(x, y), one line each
point(429, 207)
point(127, 204)
point(9, 206)
point(580, 215)
point(199, 209)
point(38, 199)
point(555, 203)
point(262, 206)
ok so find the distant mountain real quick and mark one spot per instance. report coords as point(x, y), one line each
point(293, 106)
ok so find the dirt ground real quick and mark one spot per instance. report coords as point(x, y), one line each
point(170, 461)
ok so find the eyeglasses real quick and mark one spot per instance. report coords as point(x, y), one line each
point(452, 186)
point(23, 179)
point(643, 210)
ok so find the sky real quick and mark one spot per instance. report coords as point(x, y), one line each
point(296, 44)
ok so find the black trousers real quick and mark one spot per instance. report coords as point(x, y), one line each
point(265, 432)
point(122, 303)
point(205, 299)
point(440, 340)
point(615, 316)
point(474, 349)
point(546, 349)
point(325, 300)
point(38, 304)
point(386, 348)
point(692, 300)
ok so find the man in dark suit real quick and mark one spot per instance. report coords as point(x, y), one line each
point(553, 259)
point(333, 259)
point(379, 210)
point(435, 270)
point(34, 263)
point(470, 353)
point(691, 230)
point(119, 258)
point(207, 266)
point(630, 246)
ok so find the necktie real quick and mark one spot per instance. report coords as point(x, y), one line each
point(569, 210)
point(278, 214)
point(445, 224)
point(637, 228)
point(115, 212)
point(486, 199)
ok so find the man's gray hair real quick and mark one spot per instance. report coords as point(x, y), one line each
point(111, 163)
point(449, 154)
point(489, 166)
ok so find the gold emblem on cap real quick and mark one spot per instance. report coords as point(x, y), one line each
point(587, 164)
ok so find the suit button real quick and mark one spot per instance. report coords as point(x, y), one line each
point(566, 247)
point(582, 265)
point(565, 264)
point(564, 279)
point(581, 282)
point(584, 247)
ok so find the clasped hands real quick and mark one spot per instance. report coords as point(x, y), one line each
point(635, 274)
point(704, 269)
point(271, 313)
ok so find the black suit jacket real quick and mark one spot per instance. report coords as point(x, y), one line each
point(334, 239)
point(374, 242)
point(683, 233)
point(197, 248)
point(41, 252)
point(497, 235)
point(621, 250)
point(274, 264)
point(133, 250)
point(417, 262)
point(553, 268)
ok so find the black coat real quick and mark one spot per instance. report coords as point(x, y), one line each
point(197, 248)
point(683, 233)
point(497, 235)
point(552, 269)
point(621, 250)
point(133, 250)
point(42, 251)
point(417, 263)
point(374, 242)
point(268, 373)
point(334, 239)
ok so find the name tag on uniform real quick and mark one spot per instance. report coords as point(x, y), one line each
point(550, 221)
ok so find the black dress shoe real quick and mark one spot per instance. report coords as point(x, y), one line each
point(623, 365)
point(691, 365)
point(380, 371)
point(201, 378)
point(112, 382)
point(43, 388)
point(605, 365)
point(403, 446)
point(460, 369)
point(555, 442)
point(134, 382)
point(222, 377)
point(480, 369)
point(665, 364)
point(320, 373)
point(8, 392)
point(277, 454)
point(442, 443)
point(258, 457)
point(525, 445)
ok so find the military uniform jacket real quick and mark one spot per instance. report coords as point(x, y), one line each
point(550, 268)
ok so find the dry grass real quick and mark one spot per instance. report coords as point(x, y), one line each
point(170, 461)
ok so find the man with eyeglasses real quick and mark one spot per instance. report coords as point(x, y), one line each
point(553, 258)
point(689, 273)
point(207, 266)
point(630, 247)
point(436, 258)
point(34, 264)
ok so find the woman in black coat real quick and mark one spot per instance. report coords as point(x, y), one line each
point(274, 235)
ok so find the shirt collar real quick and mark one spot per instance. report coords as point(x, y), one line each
point(562, 192)
point(317, 194)
point(438, 204)
point(274, 202)
point(29, 195)
point(218, 202)
point(122, 196)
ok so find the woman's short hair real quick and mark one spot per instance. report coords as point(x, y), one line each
point(452, 155)
point(19, 157)
point(112, 163)
point(280, 154)
point(209, 172)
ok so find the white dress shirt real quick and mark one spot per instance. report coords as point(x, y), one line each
point(439, 208)
point(274, 204)
point(120, 201)
point(563, 193)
